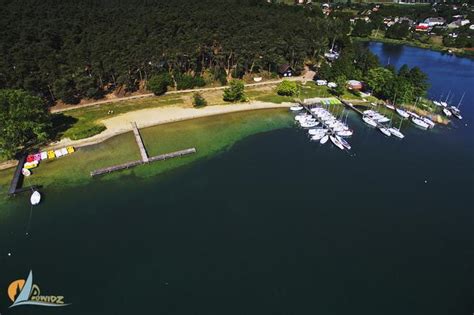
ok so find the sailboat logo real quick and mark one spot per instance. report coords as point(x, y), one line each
point(25, 292)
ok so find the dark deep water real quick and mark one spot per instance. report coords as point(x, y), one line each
point(276, 225)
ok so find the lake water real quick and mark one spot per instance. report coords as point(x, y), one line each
point(275, 225)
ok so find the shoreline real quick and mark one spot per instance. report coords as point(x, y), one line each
point(153, 117)
point(158, 116)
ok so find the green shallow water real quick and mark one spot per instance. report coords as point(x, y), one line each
point(208, 135)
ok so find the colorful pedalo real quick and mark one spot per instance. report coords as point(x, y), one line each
point(33, 160)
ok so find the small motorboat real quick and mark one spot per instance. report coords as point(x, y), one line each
point(447, 112)
point(324, 139)
point(35, 198)
point(420, 123)
point(402, 113)
point(26, 172)
point(369, 121)
point(296, 108)
point(396, 132)
point(336, 142)
point(385, 131)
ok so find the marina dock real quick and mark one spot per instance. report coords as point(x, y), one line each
point(17, 176)
point(144, 155)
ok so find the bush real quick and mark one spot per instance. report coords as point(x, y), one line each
point(186, 81)
point(199, 100)
point(287, 88)
point(235, 92)
point(158, 84)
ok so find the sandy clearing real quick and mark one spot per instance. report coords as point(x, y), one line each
point(160, 115)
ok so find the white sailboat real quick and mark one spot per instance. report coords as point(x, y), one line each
point(336, 142)
point(428, 121)
point(420, 123)
point(402, 113)
point(344, 142)
point(324, 139)
point(385, 131)
point(369, 121)
point(447, 112)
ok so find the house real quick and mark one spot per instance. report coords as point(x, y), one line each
point(422, 27)
point(354, 85)
point(285, 70)
point(433, 21)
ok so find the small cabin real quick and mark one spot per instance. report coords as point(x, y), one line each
point(285, 71)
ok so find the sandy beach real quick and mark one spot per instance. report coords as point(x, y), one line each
point(161, 115)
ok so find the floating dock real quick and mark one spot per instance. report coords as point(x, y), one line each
point(17, 176)
point(145, 159)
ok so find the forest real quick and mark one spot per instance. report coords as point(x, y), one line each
point(70, 50)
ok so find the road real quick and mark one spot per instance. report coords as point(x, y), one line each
point(127, 98)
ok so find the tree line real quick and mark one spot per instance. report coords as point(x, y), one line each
point(70, 50)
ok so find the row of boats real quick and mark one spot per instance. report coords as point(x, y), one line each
point(450, 110)
point(377, 120)
point(324, 126)
point(420, 121)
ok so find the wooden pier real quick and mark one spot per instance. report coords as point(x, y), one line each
point(17, 176)
point(145, 159)
point(139, 140)
point(128, 165)
point(350, 105)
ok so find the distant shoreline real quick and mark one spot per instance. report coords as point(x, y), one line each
point(456, 51)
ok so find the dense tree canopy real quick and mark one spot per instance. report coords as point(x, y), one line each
point(24, 122)
point(69, 50)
